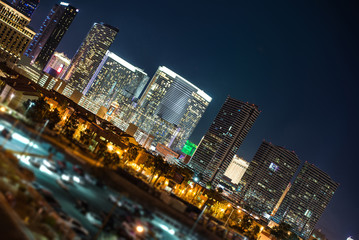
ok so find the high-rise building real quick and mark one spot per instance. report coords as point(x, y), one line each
point(306, 200)
point(170, 108)
point(236, 169)
point(51, 32)
point(15, 36)
point(115, 80)
point(222, 140)
point(57, 65)
point(267, 177)
point(26, 7)
point(90, 54)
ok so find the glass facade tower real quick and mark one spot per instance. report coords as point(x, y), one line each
point(221, 142)
point(89, 56)
point(116, 80)
point(170, 108)
point(306, 200)
point(51, 32)
point(267, 177)
point(26, 7)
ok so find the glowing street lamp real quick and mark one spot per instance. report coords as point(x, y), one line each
point(139, 229)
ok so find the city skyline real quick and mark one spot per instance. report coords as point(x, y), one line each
point(54, 27)
point(289, 126)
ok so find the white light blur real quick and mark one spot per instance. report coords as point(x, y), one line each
point(24, 159)
point(23, 139)
point(45, 170)
point(76, 179)
point(65, 177)
point(47, 163)
point(167, 229)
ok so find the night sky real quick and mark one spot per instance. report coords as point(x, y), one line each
point(296, 60)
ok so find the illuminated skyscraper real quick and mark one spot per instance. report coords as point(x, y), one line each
point(89, 56)
point(306, 200)
point(51, 32)
point(115, 80)
point(26, 7)
point(221, 142)
point(171, 108)
point(14, 33)
point(267, 177)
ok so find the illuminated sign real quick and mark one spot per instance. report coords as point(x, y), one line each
point(60, 68)
point(189, 148)
point(273, 167)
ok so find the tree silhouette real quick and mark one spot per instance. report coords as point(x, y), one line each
point(281, 231)
point(246, 222)
point(53, 117)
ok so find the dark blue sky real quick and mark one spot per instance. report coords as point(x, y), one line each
point(298, 61)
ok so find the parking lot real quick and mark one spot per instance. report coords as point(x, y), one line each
point(82, 201)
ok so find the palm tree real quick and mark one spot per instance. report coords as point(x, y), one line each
point(131, 153)
point(160, 167)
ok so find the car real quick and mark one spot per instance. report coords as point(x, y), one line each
point(114, 199)
point(78, 170)
point(69, 220)
point(81, 231)
point(36, 185)
point(90, 179)
point(78, 179)
point(47, 195)
point(62, 184)
point(6, 134)
point(94, 219)
point(62, 165)
point(66, 178)
point(36, 162)
point(49, 164)
point(82, 206)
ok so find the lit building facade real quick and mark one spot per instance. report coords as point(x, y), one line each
point(26, 7)
point(90, 54)
point(306, 200)
point(15, 36)
point(267, 177)
point(115, 80)
point(236, 169)
point(221, 142)
point(170, 108)
point(51, 32)
point(57, 65)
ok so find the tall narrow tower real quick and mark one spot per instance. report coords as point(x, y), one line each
point(26, 7)
point(267, 177)
point(51, 32)
point(306, 200)
point(221, 142)
point(89, 56)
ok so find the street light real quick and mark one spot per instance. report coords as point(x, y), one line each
point(139, 229)
point(28, 107)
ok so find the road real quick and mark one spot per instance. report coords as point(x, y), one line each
point(96, 197)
